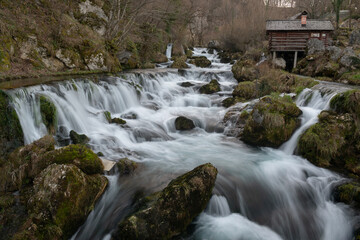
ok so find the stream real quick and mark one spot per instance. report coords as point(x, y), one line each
point(260, 193)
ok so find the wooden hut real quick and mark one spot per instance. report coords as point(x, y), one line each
point(293, 35)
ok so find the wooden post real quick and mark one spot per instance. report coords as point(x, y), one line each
point(295, 59)
point(274, 55)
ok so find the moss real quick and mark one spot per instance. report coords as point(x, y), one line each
point(180, 62)
point(11, 134)
point(189, 53)
point(228, 102)
point(245, 90)
point(78, 138)
point(352, 78)
point(348, 193)
point(272, 122)
point(184, 124)
point(202, 62)
point(245, 71)
point(79, 155)
point(348, 102)
point(126, 166)
point(48, 114)
point(113, 120)
point(107, 115)
point(210, 88)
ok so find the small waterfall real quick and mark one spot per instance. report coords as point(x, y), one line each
point(169, 50)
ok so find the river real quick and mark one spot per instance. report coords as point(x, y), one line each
point(260, 193)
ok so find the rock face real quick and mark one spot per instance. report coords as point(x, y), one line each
point(279, 63)
point(63, 197)
point(11, 134)
point(212, 87)
point(272, 122)
point(245, 71)
point(166, 214)
point(202, 62)
point(78, 138)
point(184, 124)
point(214, 44)
point(334, 142)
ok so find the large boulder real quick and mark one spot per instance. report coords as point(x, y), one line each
point(315, 45)
point(202, 62)
point(126, 166)
point(334, 53)
point(272, 122)
point(355, 37)
point(333, 142)
point(245, 71)
point(279, 63)
point(349, 58)
point(62, 198)
point(25, 163)
point(210, 88)
point(214, 44)
point(166, 214)
point(11, 134)
point(184, 124)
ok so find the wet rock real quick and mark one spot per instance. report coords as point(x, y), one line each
point(202, 62)
point(245, 71)
point(348, 193)
point(166, 214)
point(187, 84)
point(245, 91)
point(118, 121)
point(24, 164)
point(272, 122)
point(212, 87)
point(179, 62)
point(48, 114)
point(62, 198)
point(126, 166)
point(228, 102)
point(315, 45)
point(11, 134)
point(184, 124)
point(78, 138)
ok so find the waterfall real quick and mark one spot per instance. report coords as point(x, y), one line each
point(169, 50)
point(259, 193)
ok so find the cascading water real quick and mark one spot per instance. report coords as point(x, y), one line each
point(259, 194)
point(169, 50)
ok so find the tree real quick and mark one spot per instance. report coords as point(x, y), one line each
point(337, 6)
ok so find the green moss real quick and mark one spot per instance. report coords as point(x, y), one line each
point(228, 102)
point(246, 90)
point(210, 88)
point(180, 62)
point(348, 193)
point(48, 114)
point(79, 155)
point(347, 102)
point(107, 115)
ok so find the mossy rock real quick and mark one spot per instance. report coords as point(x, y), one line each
point(348, 102)
point(348, 193)
point(159, 58)
point(48, 114)
point(5, 64)
point(212, 87)
point(11, 134)
point(79, 155)
point(202, 62)
point(187, 84)
point(126, 166)
point(352, 78)
point(189, 53)
point(166, 214)
point(245, 71)
point(246, 90)
point(228, 102)
point(272, 122)
point(184, 124)
point(78, 138)
point(179, 62)
point(327, 69)
point(24, 164)
point(55, 215)
point(118, 121)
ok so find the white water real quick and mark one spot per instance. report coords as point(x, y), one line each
point(169, 50)
point(259, 193)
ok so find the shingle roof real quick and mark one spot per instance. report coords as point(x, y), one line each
point(286, 25)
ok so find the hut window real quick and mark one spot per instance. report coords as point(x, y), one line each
point(315, 35)
point(324, 35)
